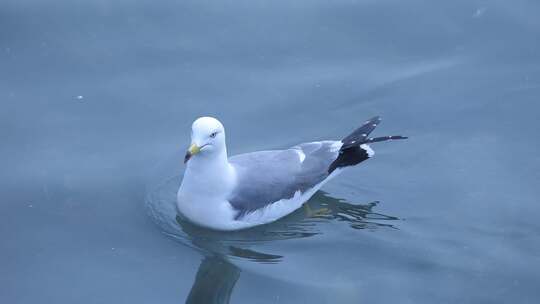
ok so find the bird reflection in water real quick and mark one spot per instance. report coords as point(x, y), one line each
point(217, 273)
point(214, 281)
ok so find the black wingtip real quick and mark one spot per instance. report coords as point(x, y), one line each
point(360, 135)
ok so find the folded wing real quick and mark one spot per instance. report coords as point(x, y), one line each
point(266, 177)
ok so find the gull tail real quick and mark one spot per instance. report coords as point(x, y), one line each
point(355, 148)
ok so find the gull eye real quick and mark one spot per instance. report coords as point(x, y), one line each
point(213, 135)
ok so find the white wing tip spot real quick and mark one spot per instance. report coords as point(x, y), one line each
point(368, 150)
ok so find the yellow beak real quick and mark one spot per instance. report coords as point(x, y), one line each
point(193, 149)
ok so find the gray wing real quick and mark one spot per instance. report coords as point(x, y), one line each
point(266, 177)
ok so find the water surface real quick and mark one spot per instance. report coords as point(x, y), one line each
point(98, 98)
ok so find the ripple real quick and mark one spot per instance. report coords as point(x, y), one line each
point(305, 222)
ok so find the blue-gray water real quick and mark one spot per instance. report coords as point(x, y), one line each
point(97, 98)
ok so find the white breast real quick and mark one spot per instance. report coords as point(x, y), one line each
point(206, 211)
point(202, 195)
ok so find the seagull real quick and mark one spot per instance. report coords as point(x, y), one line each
point(246, 190)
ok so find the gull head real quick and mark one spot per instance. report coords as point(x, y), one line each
point(207, 138)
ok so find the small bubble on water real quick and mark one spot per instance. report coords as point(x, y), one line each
point(479, 12)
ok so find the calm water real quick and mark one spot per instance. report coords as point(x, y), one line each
point(97, 98)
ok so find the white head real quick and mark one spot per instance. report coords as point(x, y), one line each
point(207, 138)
